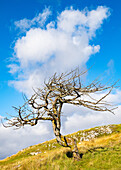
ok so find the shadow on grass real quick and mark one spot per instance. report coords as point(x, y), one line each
point(69, 154)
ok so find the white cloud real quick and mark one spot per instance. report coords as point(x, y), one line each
point(95, 18)
point(57, 47)
point(111, 69)
point(13, 68)
point(12, 141)
point(38, 21)
point(85, 19)
point(77, 118)
point(84, 119)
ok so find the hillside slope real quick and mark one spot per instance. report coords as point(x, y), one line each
point(100, 148)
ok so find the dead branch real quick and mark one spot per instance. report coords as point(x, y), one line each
point(46, 103)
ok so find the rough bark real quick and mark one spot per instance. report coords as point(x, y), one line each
point(66, 141)
point(75, 150)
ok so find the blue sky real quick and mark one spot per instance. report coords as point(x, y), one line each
point(106, 36)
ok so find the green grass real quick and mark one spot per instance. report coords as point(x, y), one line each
point(100, 148)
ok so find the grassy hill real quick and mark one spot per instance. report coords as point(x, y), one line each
point(100, 148)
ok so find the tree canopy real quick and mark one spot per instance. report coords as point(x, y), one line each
point(46, 103)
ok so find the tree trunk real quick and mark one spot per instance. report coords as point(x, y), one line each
point(75, 150)
point(66, 141)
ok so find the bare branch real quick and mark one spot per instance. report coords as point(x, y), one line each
point(46, 103)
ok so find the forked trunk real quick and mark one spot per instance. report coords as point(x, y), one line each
point(66, 141)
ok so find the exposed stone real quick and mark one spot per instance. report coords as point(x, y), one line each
point(35, 153)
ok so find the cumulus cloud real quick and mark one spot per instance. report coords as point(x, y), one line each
point(84, 119)
point(77, 118)
point(12, 141)
point(57, 47)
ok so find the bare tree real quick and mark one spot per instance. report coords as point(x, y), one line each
point(47, 103)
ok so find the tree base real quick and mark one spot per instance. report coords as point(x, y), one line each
point(76, 156)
